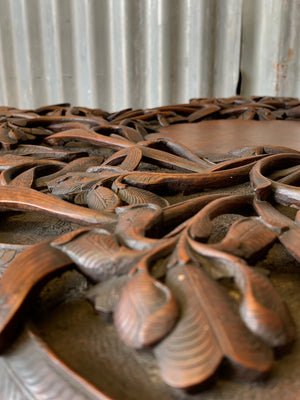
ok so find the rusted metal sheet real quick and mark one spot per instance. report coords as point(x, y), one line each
point(270, 61)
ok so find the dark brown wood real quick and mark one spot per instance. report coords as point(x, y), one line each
point(163, 275)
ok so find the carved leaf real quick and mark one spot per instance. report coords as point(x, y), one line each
point(72, 183)
point(7, 253)
point(261, 308)
point(146, 311)
point(47, 152)
point(135, 196)
point(25, 179)
point(247, 238)
point(171, 161)
point(102, 198)
point(81, 198)
point(203, 112)
point(131, 134)
point(127, 159)
point(89, 137)
point(176, 148)
point(46, 120)
point(79, 165)
point(98, 254)
point(208, 330)
point(10, 386)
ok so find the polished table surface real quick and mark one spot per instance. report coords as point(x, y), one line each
point(220, 136)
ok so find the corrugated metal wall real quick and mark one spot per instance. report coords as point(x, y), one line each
point(270, 57)
point(115, 54)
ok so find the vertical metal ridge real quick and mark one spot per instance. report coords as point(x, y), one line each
point(190, 52)
point(8, 74)
point(65, 22)
point(83, 54)
point(288, 71)
point(50, 41)
point(157, 19)
point(228, 21)
point(119, 53)
point(3, 91)
point(100, 48)
point(20, 46)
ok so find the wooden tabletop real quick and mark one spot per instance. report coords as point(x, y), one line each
point(221, 136)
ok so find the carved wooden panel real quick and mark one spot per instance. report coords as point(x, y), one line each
point(171, 244)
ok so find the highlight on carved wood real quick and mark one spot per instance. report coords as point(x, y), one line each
point(147, 208)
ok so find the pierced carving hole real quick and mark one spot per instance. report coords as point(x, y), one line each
point(289, 212)
point(221, 225)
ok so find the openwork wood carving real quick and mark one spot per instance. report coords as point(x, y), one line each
point(148, 207)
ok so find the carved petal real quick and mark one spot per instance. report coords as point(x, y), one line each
point(146, 311)
point(208, 330)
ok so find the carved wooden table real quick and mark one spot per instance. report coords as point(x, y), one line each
point(135, 266)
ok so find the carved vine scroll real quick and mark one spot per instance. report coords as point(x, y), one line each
point(147, 208)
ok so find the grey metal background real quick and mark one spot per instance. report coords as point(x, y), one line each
point(115, 54)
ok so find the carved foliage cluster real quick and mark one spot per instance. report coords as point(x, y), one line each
point(150, 255)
